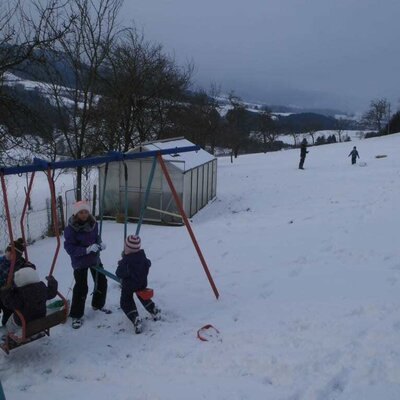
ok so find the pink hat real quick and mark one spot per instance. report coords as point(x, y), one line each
point(132, 244)
point(81, 206)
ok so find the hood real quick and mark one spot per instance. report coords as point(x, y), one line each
point(77, 226)
point(26, 276)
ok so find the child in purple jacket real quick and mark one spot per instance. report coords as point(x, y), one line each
point(83, 244)
point(133, 269)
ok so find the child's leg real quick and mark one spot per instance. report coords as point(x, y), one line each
point(13, 327)
point(148, 305)
point(151, 308)
point(100, 294)
point(127, 302)
point(79, 293)
point(6, 314)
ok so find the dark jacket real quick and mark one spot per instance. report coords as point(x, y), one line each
point(303, 150)
point(78, 237)
point(135, 268)
point(5, 265)
point(354, 154)
point(30, 299)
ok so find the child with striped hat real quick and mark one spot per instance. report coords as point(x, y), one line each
point(133, 270)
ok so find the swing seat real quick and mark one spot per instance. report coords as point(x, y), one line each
point(145, 294)
point(36, 329)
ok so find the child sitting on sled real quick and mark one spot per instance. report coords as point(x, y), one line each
point(133, 269)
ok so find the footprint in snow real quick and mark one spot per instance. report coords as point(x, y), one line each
point(335, 386)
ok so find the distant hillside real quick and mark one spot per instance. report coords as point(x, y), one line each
point(304, 121)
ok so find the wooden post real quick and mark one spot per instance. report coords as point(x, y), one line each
point(61, 211)
point(94, 203)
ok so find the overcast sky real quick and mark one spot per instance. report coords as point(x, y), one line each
point(302, 52)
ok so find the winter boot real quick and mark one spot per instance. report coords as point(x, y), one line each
point(77, 323)
point(136, 321)
point(156, 313)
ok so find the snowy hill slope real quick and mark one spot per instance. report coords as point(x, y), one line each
point(308, 267)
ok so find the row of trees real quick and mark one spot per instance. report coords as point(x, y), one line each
point(105, 87)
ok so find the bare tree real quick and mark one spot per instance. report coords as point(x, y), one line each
point(268, 129)
point(312, 128)
point(377, 114)
point(340, 125)
point(236, 130)
point(25, 33)
point(141, 87)
point(84, 51)
point(294, 134)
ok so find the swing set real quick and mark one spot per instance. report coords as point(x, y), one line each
point(37, 329)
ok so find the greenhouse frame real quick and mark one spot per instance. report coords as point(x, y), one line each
point(194, 176)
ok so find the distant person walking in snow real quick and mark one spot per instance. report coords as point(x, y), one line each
point(303, 153)
point(354, 154)
point(83, 244)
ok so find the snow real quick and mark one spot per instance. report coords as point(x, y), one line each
point(308, 269)
point(183, 161)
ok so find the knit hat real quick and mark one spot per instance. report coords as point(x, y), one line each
point(132, 244)
point(81, 206)
point(19, 247)
point(26, 276)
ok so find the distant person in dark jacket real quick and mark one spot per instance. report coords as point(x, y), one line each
point(354, 155)
point(303, 153)
point(28, 295)
point(83, 244)
point(5, 265)
point(133, 269)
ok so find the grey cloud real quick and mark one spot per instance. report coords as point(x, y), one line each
point(338, 53)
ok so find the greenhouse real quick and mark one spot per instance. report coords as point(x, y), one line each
point(194, 176)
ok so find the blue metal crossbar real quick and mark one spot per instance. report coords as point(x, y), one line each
point(2, 395)
point(42, 165)
point(103, 271)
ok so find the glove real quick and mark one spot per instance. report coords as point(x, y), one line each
point(103, 246)
point(94, 248)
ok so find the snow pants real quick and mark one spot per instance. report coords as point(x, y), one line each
point(6, 314)
point(80, 291)
point(127, 301)
point(302, 159)
point(353, 160)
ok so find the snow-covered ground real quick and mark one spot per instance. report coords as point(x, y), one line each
point(307, 264)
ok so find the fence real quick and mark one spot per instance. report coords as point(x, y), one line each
point(38, 220)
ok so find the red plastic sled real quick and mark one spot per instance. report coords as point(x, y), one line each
point(145, 294)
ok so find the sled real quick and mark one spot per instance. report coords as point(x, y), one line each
point(145, 294)
point(36, 329)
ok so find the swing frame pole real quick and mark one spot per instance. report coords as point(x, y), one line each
point(24, 210)
point(10, 229)
point(2, 395)
point(146, 196)
point(103, 197)
point(56, 226)
point(187, 224)
point(126, 201)
point(101, 207)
